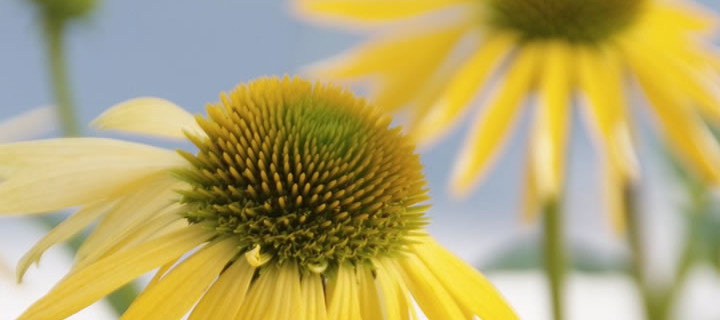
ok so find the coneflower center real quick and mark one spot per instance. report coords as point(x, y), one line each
point(307, 173)
point(571, 20)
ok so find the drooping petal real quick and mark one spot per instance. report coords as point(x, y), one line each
point(601, 80)
point(342, 294)
point(151, 198)
point(172, 297)
point(552, 120)
point(83, 287)
point(163, 270)
point(167, 222)
point(402, 68)
point(370, 307)
point(493, 124)
point(681, 75)
point(466, 285)
point(148, 115)
point(459, 92)
point(313, 295)
point(286, 301)
point(372, 10)
point(434, 299)
point(272, 295)
point(77, 171)
point(683, 127)
point(394, 293)
point(64, 231)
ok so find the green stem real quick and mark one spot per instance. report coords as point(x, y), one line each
point(54, 29)
point(654, 309)
point(694, 215)
point(555, 256)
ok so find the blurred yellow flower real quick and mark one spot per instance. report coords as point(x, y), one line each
point(300, 203)
point(438, 54)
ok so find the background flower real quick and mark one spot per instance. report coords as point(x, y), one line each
point(547, 51)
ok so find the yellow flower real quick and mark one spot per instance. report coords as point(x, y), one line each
point(300, 203)
point(440, 53)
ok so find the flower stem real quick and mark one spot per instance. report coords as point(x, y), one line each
point(654, 309)
point(555, 256)
point(694, 215)
point(54, 29)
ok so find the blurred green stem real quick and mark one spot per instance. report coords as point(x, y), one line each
point(654, 310)
point(555, 256)
point(121, 299)
point(54, 29)
point(699, 204)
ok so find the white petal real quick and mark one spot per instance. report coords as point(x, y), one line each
point(31, 124)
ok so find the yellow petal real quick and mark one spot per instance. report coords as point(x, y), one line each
point(493, 124)
point(314, 296)
point(466, 285)
point(367, 293)
point(287, 300)
point(64, 231)
point(148, 115)
point(83, 287)
point(404, 61)
point(371, 10)
point(434, 300)
point(168, 222)
point(77, 171)
point(685, 15)
point(342, 294)
point(162, 271)
point(601, 80)
point(45, 154)
point(549, 142)
point(275, 295)
point(693, 81)
point(224, 299)
point(180, 289)
point(392, 290)
point(28, 125)
point(460, 90)
point(686, 132)
point(152, 197)
point(674, 31)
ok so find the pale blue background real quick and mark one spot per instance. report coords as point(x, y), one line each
point(189, 51)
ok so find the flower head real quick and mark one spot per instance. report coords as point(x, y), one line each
point(300, 203)
point(434, 61)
